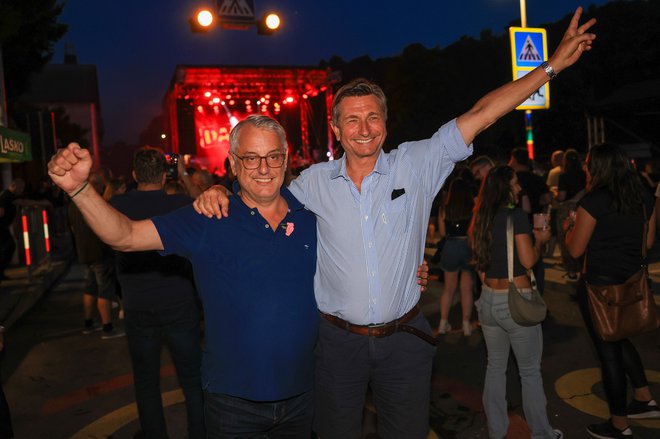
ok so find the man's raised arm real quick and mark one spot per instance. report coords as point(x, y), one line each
point(69, 169)
point(502, 100)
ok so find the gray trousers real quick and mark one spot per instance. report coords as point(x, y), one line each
point(398, 370)
point(501, 333)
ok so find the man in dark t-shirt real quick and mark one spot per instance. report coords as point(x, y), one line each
point(160, 301)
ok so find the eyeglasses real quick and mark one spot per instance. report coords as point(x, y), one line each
point(273, 160)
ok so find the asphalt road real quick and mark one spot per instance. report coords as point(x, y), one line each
point(63, 384)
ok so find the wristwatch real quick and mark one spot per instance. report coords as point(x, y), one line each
point(547, 68)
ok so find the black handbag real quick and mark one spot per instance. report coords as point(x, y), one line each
point(525, 312)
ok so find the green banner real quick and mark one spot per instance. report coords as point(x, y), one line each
point(14, 146)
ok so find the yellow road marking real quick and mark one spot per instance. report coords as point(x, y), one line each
point(575, 388)
point(104, 427)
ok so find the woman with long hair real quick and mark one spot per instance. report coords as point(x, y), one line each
point(453, 224)
point(496, 203)
point(609, 230)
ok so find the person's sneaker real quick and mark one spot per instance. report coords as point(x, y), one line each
point(643, 409)
point(107, 335)
point(91, 329)
point(558, 434)
point(608, 431)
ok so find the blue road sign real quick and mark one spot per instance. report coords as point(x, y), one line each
point(528, 46)
point(528, 50)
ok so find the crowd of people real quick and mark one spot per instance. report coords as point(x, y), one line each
point(310, 287)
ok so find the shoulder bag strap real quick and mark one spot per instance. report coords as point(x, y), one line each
point(509, 245)
point(509, 253)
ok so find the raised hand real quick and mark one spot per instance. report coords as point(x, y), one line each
point(70, 167)
point(575, 42)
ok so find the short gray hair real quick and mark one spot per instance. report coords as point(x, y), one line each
point(257, 121)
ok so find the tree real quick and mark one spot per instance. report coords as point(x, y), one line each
point(28, 33)
point(426, 87)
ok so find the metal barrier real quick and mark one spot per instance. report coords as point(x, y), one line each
point(34, 247)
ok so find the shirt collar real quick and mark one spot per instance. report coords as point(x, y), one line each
point(382, 166)
point(292, 201)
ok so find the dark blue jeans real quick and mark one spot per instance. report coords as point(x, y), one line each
point(229, 417)
point(179, 327)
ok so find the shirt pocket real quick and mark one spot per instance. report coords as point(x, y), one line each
point(394, 216)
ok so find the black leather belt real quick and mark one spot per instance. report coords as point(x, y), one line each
point(383, 329)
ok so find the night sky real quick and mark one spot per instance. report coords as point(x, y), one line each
point(136, 44)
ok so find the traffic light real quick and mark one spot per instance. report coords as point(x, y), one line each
point(202, 21)
point(268, 24)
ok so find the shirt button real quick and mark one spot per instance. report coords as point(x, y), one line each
point(370, 244)
point(373, 274)
point(252, 212)
point(366, 217)
point(267, 226)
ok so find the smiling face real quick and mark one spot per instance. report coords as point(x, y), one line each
point(360, 127)
point(262, 185)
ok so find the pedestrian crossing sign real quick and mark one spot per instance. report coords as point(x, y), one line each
point(529, 48)
point(236, 10)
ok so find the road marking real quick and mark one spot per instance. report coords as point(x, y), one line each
point(575, 388)
point(109, 424)
point(71, 399)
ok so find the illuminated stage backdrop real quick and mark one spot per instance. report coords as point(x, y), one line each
point(203, 103)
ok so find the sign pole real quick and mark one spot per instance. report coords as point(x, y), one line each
point(529, 131)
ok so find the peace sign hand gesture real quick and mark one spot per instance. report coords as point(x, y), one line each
point(575, 42)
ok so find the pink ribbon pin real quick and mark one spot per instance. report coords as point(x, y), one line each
point(289, 229)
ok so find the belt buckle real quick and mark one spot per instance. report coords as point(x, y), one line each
point(373, 328)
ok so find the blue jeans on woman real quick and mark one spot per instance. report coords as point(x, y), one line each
point(501, 333)
point(145, 330)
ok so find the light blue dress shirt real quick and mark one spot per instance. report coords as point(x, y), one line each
point(370, 245)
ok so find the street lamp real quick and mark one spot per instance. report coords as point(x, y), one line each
point(202, 21)
point(268, 24)
point(205, 18)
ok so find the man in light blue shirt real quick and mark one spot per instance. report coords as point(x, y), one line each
point(372, 210)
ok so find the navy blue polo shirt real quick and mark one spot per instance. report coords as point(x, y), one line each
point(257, 287)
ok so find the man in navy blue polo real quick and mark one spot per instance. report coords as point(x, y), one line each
point(254, 273)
